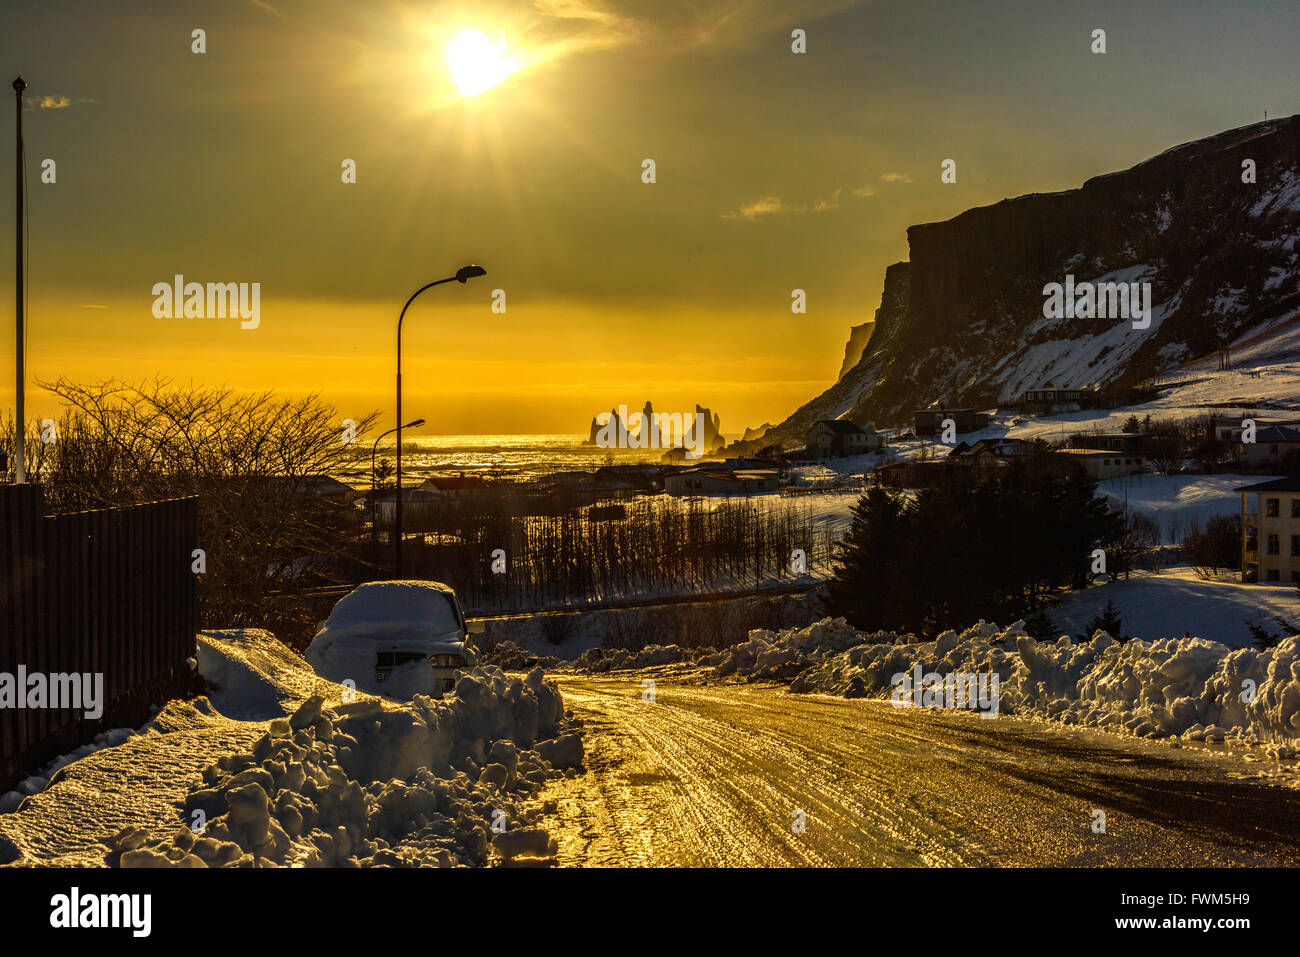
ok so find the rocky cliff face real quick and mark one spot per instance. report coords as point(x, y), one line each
point(963, 321)
point(859, 336)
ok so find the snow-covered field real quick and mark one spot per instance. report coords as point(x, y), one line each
point(278, 767)
point(1176, 601)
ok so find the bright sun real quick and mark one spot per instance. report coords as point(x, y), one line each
point(478, 63)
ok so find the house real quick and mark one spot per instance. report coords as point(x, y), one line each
point(911, 473)
point(1229, 428)
point(1000, 448)
point(1270, 516)
point(454, 486)
point(711, 480)
point(640, 478)
point(1104, 464)
point(418, 506)
point(930, 421)
point(317, 486)
point(1047, 399)
point(831, 438)
point(1136, 442)
point(1274, 445)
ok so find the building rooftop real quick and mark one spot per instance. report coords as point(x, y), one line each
point(1278, 433)
point(842, 426)
point(1289, 484)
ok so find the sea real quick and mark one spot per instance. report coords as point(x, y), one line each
point(512, 457)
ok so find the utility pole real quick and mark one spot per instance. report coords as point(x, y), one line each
point(20, 431)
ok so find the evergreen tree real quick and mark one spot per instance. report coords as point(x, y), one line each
point(1039, 625)
point(870, 587)
point(1108, 621)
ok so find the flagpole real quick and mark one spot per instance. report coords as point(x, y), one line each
point(20, 431)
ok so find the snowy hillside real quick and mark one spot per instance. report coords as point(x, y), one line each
point(962, 322)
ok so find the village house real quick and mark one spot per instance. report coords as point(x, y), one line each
point(642, 477)
point(1274, 445)
point(711, 480)
point(1050, 398)
point(418, 508)
point(316, 486)
point(1270, 531)
point(1138, 443)
point(930, 421)
point(1230, 428)
point(911, 473)
point(454, 486)
point(1000, 448)
point(832, 438)
point(1104, 464)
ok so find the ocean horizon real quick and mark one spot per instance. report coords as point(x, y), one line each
point(506, 456)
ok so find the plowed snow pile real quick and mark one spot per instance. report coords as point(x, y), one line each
point(1197, 689)
point(1188, 687)
point(321, 783)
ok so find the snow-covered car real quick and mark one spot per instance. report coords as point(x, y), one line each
point(378, 631)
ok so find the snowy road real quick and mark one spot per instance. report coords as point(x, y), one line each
point(713, 775)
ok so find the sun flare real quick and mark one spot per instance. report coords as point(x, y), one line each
point(478, 62)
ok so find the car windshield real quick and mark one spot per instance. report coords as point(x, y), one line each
point(397, 603)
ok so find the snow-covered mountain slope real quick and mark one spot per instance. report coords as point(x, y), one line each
point(962, 322)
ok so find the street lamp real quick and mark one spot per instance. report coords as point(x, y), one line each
point(463, 274)
point(375, 448)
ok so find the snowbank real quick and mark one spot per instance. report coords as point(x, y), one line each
point(332, 779)
point(1188, 687)
point(358, 786)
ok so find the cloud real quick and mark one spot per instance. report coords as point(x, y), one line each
point(895, 177)
point(54, 102)
point(772, 205)
point(833, 203)
point(761, 207)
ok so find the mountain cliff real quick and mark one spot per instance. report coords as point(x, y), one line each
point(962, 322)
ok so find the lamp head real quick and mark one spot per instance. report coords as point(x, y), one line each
point(19, 85)
point(466, 273)
point(416, 423)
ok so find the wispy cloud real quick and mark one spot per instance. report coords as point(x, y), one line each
point(766, 206)
point(824, 204)
point(773, 205)
point(55, 102)
point(895, 177)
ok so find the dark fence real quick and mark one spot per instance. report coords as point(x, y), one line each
point(105, 592)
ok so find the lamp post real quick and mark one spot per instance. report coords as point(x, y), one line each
point(375, 448)
point(20, 433)
point(463, 274)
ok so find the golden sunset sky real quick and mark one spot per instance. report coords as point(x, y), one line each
point(775, 171)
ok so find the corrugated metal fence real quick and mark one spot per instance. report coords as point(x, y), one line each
point(105, 592)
